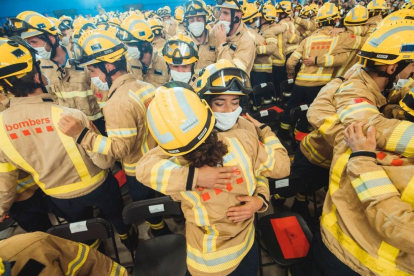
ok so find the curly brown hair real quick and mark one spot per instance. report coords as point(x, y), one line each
point(210, 153)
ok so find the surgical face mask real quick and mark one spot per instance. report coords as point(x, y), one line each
point(196, 28)
point(43, 53)
point(296, 13)
point(258, 23)
point(99, 83)
point(225, 121)
point(400, 83)
point(226, 25)
point(65, 41)
point(337, 24)
point(134, 52)
point(181, 76)
point(277, 20)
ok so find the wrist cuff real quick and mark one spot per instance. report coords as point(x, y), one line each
point(363, 153)
point(83, 133)
point(190, 178)
point(263, 126)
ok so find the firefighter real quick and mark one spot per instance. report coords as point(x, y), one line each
point(126, 107)
point(181, 55)
point(179, 17)
point(200, 145)
point(69, 83)
point(170, 25)
point(305, 23)
point(143, 60)
point(75, 179)
point(158, 30)
point(234, 42)
point(377, 9)
point(195, 18)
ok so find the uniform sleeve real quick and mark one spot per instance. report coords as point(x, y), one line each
point(4, 102)
point(388, 215)
point(347, 41)
point(295, 57)
point(122, 127)
point(164, 173)
point(272, 43)
point(244, 54)
point(358, 30)
point(334, 60)
point(8, 180)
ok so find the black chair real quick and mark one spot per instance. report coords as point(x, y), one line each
point(295, 114)
point(8, 222)
point(164, 255)
point(263, 94)
point(96, 229)
point(286, 90)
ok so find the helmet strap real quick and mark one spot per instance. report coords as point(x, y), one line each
point(108, 75)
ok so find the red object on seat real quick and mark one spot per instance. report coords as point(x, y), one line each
point(290, 236)
point(121, 177)
point(299, 136)
point(275, 108)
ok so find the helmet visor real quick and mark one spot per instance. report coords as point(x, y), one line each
point(178, 50)
point(124, 35)
point(229, 79)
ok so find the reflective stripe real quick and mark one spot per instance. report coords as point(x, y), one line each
point(329, 222)
point(327, 124)
point(314, 77)
point(7, 167)
point(163, 138)
point(129, 168)
point(157, 226)
point(291, 48)
point(80, 259)
point(160, 175)
point(221, 260)
point(261, 49)
point(280, 46)
point(373, 184)
point(102, 145)
point(95, 244)
point(337, 171)
point(101, 104)
point(316, 157)
point(24, 184)
point(376, 41)
point(387, 253)
point(408, 193)
point(95, 117)
point(73, 94)
point(262, 67)
point(209, 239)
point(200, 212)
point(402, 139)
point(271, 40)
point(239, 63)
point(297, 55)
point(117, 270)
point(272, 142)
point(356, 108)
point(284, 126)
point(191, 120)
point(122, 132)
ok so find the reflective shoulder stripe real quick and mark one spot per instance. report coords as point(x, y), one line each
point(401, 140)
point(7, 167)
point(200, 212)
point(160, 175)
point(122, 132)
point(408, 193)
point(239, 63)
point(337, 171)
point(117, 270)
point(24, 184)
point(80, 259)
point(373, 184)
point(355, 108)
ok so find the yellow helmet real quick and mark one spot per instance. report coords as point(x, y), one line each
point(195, 8)
point(327, 13)
point(114, 21)
point(178, 120)
point(67, 20)
point(78, 30)
point(149, 14)
point(357, 16)
point(379, 6)
point(134, 29)
point(251, 12)
point(268, 12)
point(284, 7)
point(179, 14)
point(314, 8)
point(29, 24)
point(298, 7)
point(229, 4)
point(409, 4)
point(391, 44)
point(305, 12)
point(397, 15)
point(180, 50)
point(407, 103)
point(59, 24)
point(222, 78)
point(17, 59)
point(95, 46)
point(80, 21)
point(156, 26)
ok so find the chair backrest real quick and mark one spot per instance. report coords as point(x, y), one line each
point(295, 114)
point(149, 208)
point(286, 88)
point(288, 186)
point(84, 230)
point(263, 89)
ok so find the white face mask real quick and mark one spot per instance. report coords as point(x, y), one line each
point(134, 52)
point(65, 41)
point(43, 53)
point(225, 121)
point(196, 28)
point(181, 76)
point(258, 23)
point(296, 13)
point(226, 25)
point(47, 85)
point(99, 83)
point(337, 24)
point(400, 83)
point(168, 21)
point(277, 20)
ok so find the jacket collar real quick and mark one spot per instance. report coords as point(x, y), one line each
point(372, 86)
point(237, 34)
point(31, 99)
point(120, 81)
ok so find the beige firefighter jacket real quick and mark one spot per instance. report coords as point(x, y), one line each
point(305, 27)
point(126, 123)
point(329, 51)
point(32, 142)
point(157, 73)
point(215, 246)
point(262, 62)
point(276, 37)
point(158, 44)
point(240, 49)
point(207, 52)
point(294, 39)
point(71, 85)
point(4, 102)
point(56, 256)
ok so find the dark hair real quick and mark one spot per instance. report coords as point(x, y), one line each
point(120, 65)
point(210, 153)
point(22, 87)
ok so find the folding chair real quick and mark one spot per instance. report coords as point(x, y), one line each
point(265, 231)
point(263, 94)
point(164, 255)
point(295, 115)
point(90, 229)
point(286, 90)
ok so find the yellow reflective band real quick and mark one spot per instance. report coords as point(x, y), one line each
point(327, 124)
point(96, 244)
point(271, 40)
point(68, 143)
point(80, 259)
point(262, 67)
point(262, 181)
point(130, 168)
point(144, 144)
point(408, 193)
point(74, 94)
point(291, 48)
point(297, 55)
point(24, 184)
point(387, 253)
point(314, 154)
point(280, 45)
point(101, 104)
point(221, 260)
point(261, 49)
point(284, 126)
point(373, 184)
point(7, 167)
point(117, 270)
point(356, 108)
point(239, 63)
point(157, 226)
point(122, 132)
point(402, 139)
point(200, 212)
point(95, 117)
point(328, 60)
point(314, 77)
point(273, 142)
point(337, 171)
point(329, 222)
point(102, 145)
point(270, 145)
point(276, 62)
point(160, 175)
point(210, 239)
point(292, 38)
